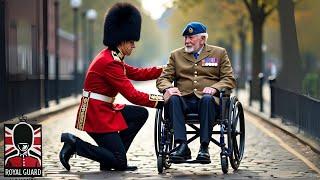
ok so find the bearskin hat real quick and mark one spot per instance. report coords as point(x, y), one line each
point(122, 23)
point(22, 133)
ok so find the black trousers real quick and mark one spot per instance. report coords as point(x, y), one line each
point(112, 147)
point(206, 107)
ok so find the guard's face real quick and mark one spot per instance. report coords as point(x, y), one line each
point(23, 147)
point(127, 47)
point(193, 43)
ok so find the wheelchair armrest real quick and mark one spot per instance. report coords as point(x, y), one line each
point(225, 92)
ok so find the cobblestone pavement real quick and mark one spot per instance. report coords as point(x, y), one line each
point(264, 157)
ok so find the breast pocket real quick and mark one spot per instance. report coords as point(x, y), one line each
point(210, 66)
point(211, 70)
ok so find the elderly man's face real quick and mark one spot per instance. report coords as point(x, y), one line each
point(193, 43)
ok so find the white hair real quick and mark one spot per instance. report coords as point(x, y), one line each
point(205, 35)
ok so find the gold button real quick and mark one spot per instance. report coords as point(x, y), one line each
point(195, 75)
point(196, 64)
point(195, 81)
point(195, 89)
point(195, 72)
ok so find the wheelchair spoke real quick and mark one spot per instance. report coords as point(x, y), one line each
point(237, 133)
point(236, 149)
point(235, 118)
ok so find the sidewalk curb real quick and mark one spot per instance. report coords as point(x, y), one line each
point(292, 131)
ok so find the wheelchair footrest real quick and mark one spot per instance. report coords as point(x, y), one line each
point(190, 161)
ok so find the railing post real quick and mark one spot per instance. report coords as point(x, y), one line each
point(261, 91)
point(272, 81)
point(250, 86)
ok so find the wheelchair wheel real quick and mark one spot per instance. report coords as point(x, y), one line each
point(163, 139)
point(224, 163)
point(157, 131)
point(237, 132)
point(160, 162)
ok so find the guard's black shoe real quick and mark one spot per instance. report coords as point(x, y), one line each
point(128, 168)
point(105, 168)
point(65, 154)
point(131, 168)
point(182, 153)
point(203, 155)
point(69, 138)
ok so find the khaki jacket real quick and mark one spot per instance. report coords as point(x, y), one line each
point(211, 69)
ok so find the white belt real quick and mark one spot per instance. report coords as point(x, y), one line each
point(97, 96)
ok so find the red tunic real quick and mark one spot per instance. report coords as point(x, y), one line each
point(22, 161)
point(108, 75)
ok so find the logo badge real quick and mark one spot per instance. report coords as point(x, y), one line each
point(22, 150)
point(190, 30)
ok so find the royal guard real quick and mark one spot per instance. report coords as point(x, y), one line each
point(112, 126)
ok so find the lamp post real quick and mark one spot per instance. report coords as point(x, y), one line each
point(56, 43)
point(75, 4)
point(84, 40)
point(45, 53)
point(91, 16)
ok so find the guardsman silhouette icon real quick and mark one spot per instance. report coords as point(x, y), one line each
point(23, 139)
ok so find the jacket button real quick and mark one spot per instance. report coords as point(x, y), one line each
point(195, 75)
point(195, 89)
point(196, 64)
point(196, 72)
point(195, 81)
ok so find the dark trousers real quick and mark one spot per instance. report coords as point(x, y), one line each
point(112, 147)
point(178, 106)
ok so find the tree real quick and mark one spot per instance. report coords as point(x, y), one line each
point(291, 61)
point(236, 17)
point(259, 10)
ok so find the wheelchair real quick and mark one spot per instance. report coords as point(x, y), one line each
point(231, 122)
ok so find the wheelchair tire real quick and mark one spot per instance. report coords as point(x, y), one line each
point(237, 132)
point(160, 163)
point(224, 164)
point(157, 131)
point(162, 149)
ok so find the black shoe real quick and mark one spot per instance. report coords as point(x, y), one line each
point(108, 168)
point(69, 138)
point(131, 168)
point(203, 155)
point(65, 154)
point(105, 168)
point(182, 153)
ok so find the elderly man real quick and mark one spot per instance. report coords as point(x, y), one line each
point(200, 71)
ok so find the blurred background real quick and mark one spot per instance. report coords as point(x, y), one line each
point(47, 45)
point(230, 25)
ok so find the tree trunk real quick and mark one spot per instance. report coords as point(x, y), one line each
point(291, 63)
point(256, 57)
point(243, 72)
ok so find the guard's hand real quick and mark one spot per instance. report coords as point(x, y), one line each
point(170, 92)
point(209, 90)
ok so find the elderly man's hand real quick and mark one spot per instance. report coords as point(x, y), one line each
point(209, 90)
point(170, 92)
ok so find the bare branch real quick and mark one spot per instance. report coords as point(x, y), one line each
point(270, 10)
point(248, 6)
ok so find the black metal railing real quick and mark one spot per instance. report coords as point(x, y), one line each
point(65, 86)
point(296, 109)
